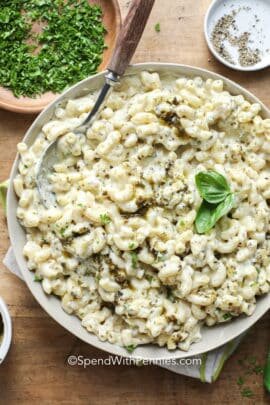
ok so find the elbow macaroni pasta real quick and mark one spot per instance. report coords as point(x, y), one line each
point(120, 248)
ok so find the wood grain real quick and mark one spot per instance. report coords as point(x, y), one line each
point(36, 370)
point(130, 35)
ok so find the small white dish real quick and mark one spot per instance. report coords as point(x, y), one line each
point(5, 344)
point(253, 18)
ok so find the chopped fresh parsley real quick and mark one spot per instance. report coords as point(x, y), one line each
point(157, 27)
point(37, 278)
point(105, 219)
point(227, 316)
point(134, 260)
point(247, 393)
point(131, 245)
point(130, 348)
point(160, 257)
point(258, 369)
point(240, 381)
point(68, 49)
point(62, 231)
point(170, 295)
point(254, 284)
point(181, 223)
point(250, 367)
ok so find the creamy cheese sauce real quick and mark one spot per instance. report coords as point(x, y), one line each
point(120, 249)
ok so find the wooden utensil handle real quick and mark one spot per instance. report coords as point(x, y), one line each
point(130, 35)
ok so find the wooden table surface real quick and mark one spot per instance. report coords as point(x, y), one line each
point(36, 369)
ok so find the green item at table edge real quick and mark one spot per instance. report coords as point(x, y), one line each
point(266, 376)
point(3, 194)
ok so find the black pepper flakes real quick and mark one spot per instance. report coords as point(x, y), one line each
point(222, 34)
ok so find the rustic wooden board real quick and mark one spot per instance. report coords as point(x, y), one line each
point(36, 369)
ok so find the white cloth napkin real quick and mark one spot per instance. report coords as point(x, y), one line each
point(210, 365)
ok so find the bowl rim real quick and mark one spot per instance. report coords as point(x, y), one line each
point(237, 67)
point(44, 300)
point(7, 336)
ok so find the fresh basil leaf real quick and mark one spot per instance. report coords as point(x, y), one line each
point(209, 214)
point(204, 220)
point(212, 186)
point(224, 207)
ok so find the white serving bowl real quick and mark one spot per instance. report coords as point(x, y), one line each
point(5, 344)
point(211, 337)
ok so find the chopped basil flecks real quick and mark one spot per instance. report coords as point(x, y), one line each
point(160, 257)
point(134, 260)
point(130, 348)
point(157, 27)
point(227, 316)
point(105, 219)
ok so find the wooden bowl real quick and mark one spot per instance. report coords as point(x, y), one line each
point(112, 23)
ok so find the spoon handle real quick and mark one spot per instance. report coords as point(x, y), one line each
point(130, 35)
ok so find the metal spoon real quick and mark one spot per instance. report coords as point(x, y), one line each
point(126, 45)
